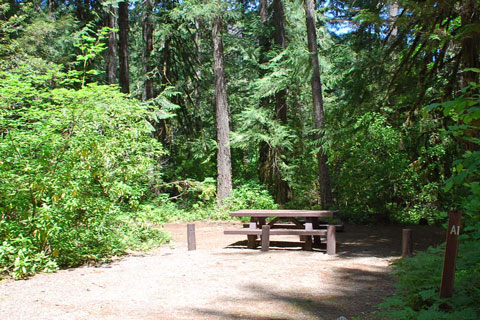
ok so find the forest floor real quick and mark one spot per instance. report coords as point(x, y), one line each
point(222, 279)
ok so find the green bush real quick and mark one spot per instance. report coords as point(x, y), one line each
point(74, 166)
point(250, 195)
point(199, 203)
point(368, 168)
point(418, 286)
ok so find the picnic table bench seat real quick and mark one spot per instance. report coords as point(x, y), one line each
point(339, 227)
point(305, 234)
point(304, 223)
point(278, 232)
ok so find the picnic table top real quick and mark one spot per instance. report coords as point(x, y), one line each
point(283, 213)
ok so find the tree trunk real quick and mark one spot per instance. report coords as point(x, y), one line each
point(393, 15)
point(280, 185)
point(224, 166)
point(80, 12)
point(470, 41)
point(280, 40)
point(263, 11)
point(318, 115)
point(470, 59)
point(123, 29)
point(111, 53)
point(148, 42)
point(269, 172)
point(264, 168)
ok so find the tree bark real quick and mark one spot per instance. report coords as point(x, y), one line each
point(280, 40)
point(281, 186)
point(123, 54)
point(263, 11)
point(393, 15)
point(80, 11)
point(147, 52)
point(470, 59)
point(111, 53)
point(470, 42)
point(318, 114)
point(224, 166)
point(264, 166)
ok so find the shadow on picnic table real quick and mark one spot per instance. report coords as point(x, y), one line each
point(380, 241)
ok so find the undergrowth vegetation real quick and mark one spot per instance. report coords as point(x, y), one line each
point(419, 279)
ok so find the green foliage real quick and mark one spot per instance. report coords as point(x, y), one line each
point(249, 195)
point(91, 44)
point(465, 112)
point(369, 167)
point(197, 201)
point(419, 277)
point(73, 164)
point(419, 283)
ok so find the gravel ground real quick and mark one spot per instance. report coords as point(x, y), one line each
point(222, 280)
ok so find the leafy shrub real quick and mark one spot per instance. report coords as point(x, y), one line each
point(368, 167)
point(249, 195)
point(419, 278)
point(162, 209)
point(73, 164)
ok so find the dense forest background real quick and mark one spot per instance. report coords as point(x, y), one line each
point(116, 114)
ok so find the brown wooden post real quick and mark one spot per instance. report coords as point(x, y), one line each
point(451, 248)
point(252, 239)
point(192, 245)
point(308, 239)
point(265, 237)
point(407, 244)
point(331, 240)
point(316, 239)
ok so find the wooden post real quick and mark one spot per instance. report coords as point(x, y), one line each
point(407, 244)
point(451, 248)
point(308, 239)
point(192, 245)
point(252, 239)
point(316, 239)
point(265, 237)
point(331, 240)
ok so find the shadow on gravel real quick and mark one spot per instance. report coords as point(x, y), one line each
point(274, 245)
point(361, 288)
point(384, 241)
point(366, 241)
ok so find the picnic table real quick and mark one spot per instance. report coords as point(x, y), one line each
point(305, 223)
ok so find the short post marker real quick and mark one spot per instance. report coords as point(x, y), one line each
point(407, 244)
point(451, 248)
point(265, 237)
point(192, 245)
point(331, 240)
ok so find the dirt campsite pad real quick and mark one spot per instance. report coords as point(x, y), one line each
point(222, 279)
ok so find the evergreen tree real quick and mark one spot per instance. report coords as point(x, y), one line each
point(224, 169)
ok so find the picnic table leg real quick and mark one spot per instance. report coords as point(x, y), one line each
point(316, 239)
point(304, 238)
point(252, 239)
point(261, 222)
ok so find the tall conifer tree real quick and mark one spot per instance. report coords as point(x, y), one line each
point(317, 95)
point(224, 166)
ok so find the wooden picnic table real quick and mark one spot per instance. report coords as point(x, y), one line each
point(305, 223)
